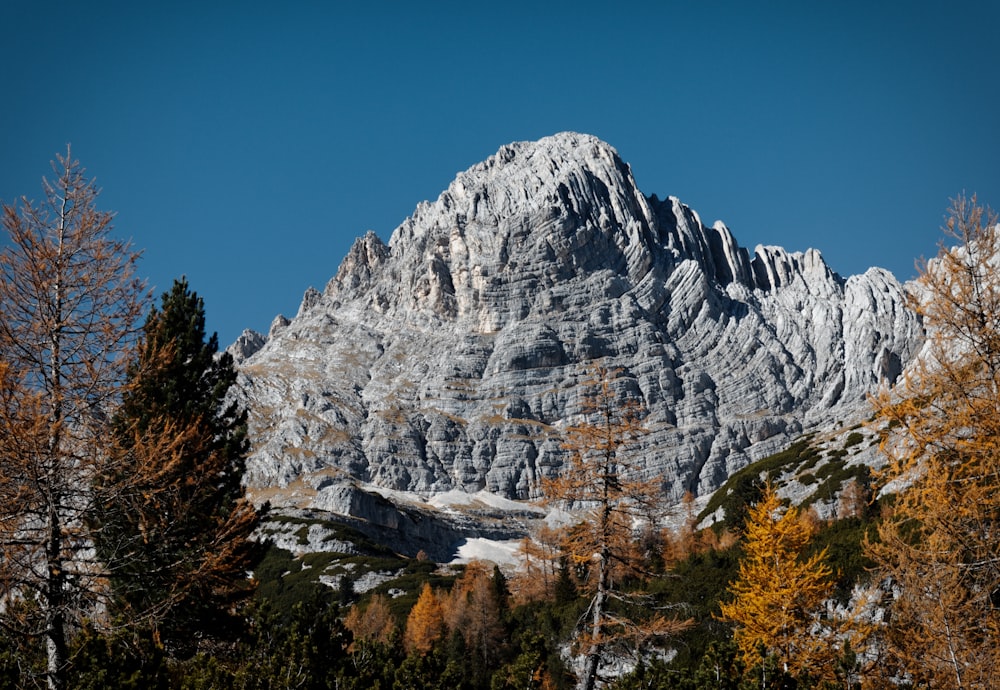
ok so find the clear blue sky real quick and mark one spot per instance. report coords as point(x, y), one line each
point(246, 144)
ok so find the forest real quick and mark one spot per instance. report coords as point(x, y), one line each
point(129, 556)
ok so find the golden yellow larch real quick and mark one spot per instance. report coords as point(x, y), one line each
point(425, 625)
point(778, 595)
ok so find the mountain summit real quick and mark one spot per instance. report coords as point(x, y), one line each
point(432, 363)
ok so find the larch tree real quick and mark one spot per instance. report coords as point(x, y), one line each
point(603, 477)
point(372, 623)
point(176, 541)
point(940, 547)
point(778, 593)
point(69, 306)
point(472, 609)
point(535, 579)
point(425, 626)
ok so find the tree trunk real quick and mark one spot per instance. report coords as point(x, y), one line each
point(593, 659)
point(55, 643)
point(596, 647)
point(55, 624)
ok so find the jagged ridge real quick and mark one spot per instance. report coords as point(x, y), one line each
point(434, 362)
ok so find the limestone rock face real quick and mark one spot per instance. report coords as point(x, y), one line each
point(449, 358)
point(246, 345)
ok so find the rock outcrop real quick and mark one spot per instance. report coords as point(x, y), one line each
point(450, 357)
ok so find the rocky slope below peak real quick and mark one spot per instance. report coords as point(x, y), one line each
point(433, 362)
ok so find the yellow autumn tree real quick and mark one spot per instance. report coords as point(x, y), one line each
point(425, 625)
point(777, 596)
point(604, 478)
point(940, 548)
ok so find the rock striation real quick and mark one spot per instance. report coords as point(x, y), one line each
point(450, 357)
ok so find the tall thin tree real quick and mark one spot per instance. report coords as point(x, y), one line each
point(69, 304)
point(603, 478)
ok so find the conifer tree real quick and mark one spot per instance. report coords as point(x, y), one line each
point(778, 593)
point(603, 477)
point(176, 542)
point(529, 670)
point(535, 578)
point(372, 623)
point(941, 547)
point(472, 609)
point(69, 305)
point(425, 626)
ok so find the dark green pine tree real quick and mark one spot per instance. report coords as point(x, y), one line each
point(173, 523)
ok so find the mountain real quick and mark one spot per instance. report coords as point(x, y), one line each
point(448, 358)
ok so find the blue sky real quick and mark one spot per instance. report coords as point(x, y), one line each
point(246, 145)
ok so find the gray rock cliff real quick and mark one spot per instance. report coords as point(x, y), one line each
point(433, 362)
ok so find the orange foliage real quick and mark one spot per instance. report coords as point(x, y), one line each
point(69, 303)
point(373, 623)
point(853, 501)
point(602, 478)
point(536, 578)
point(155, 484)
point(778, 594)
point(425, 625)
point(940, 545)
point(471, 608)
point(689, 540)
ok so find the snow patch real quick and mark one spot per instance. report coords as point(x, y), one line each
point(456, 498)
point(503, 553)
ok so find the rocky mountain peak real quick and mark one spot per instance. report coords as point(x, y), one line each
point(530, 217)
point(433, 362)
